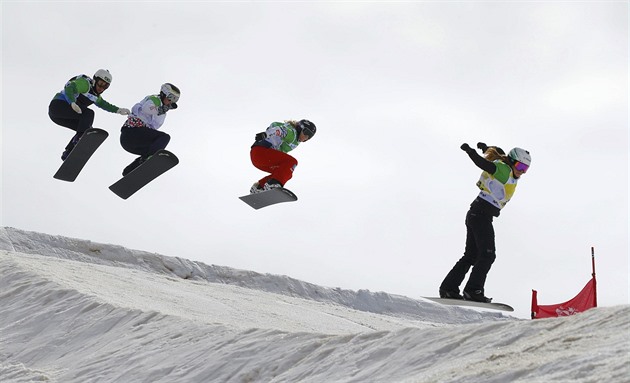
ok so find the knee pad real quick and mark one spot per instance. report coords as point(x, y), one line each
point(491, 255)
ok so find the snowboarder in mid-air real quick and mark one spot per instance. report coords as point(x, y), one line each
point(140, 135)
point(497, 183)
point(269, 152)
point(70, 107)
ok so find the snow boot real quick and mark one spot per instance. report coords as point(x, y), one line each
point(272, 184)
point(476, 296)
point(450, 294)
point(137, 162)
point(255, 188)
point(70, 146)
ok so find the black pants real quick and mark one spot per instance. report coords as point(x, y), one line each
point(143, 141)
point(478, 254)
point(61, 113)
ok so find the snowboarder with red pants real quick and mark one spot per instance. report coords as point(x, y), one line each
point(269, 152)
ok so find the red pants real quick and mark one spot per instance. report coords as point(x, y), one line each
point(279, 164)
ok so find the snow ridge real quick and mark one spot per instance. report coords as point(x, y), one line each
point(75, 311)
point(114, 255)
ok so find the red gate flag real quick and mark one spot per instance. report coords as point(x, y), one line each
point(586, 299)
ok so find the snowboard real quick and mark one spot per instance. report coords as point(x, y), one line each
point(80, 154)
point(269, 197)
point(149, 170)
point(463, 302)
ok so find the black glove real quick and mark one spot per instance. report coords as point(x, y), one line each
point(466, 148)
point(261, 136)
point(165, 108)
point(485, 147)
point(173, 105)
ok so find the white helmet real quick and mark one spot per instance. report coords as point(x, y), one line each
point(170, 91)
point(103, 74)
point(520, 155)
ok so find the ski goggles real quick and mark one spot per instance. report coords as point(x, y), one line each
point(521, 167)
point(172, 97)
point(307, 130)
point(101, 84)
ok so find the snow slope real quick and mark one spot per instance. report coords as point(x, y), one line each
point(76, 311)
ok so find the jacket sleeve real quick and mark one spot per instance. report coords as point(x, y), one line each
point(481, 162)
point(147, 111)
point(275, 135)
point(101, 103)
point(75, 87)
point(289, 137)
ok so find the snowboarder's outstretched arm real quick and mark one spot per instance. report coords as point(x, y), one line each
point(481, 162)
point(101, 103)
point(81, 86)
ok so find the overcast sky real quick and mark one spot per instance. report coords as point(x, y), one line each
point(394, 89)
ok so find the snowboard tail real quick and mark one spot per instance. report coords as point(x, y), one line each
point(153, 167)
point(80, 154)
point(269, 197)
point(463, 302)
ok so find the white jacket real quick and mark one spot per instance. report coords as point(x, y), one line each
point(150, 111)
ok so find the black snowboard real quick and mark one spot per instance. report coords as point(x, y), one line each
point(269, 197)
point(462, 302)
point(80, 154)
point(152, 168)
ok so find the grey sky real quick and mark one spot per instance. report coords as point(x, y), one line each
point(394, 88)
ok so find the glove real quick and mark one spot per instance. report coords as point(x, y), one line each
point(123, 111)
point(261, 136)
point(482, 146)
point(173, 105)
point(466, 148)
point(76, 107)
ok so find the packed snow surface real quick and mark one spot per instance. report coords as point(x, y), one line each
point(77, 311)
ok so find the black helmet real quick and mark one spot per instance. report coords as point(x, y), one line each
point(307, 128)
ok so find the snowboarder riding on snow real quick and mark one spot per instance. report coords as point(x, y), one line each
point(497, 183)
point(269, 152)
point(140, 135)
point(69, 108)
